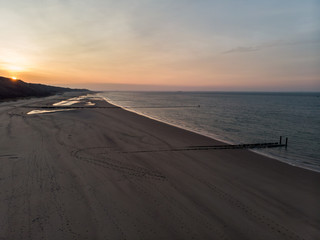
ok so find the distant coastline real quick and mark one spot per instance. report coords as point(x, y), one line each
point(11, 89)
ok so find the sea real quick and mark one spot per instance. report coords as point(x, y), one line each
point(239, 118)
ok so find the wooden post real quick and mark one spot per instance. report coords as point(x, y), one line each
point(286, 142)
point(280, 140)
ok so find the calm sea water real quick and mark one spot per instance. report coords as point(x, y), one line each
point(239, 118)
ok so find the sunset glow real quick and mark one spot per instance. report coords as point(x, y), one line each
point(15, 69)
point(171, 45)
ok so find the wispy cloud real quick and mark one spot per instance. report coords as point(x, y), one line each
point(242, 50)
point(279, 43)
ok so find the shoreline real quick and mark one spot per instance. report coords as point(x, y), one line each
point(214, 137)
point(92, 173)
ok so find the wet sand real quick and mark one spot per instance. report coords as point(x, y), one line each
point(100, 172)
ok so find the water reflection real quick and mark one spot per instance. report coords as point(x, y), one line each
point(47, 111)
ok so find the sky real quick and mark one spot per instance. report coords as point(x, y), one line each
point(205, 45)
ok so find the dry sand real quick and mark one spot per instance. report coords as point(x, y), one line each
point(82, 174)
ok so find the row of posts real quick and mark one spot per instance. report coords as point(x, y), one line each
point(286, 144)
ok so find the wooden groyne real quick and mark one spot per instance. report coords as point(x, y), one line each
point(244, 146)
point(220, 147)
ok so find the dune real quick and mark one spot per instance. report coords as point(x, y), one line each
point(15, 88)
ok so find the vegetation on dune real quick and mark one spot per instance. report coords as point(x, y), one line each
point(10, 89)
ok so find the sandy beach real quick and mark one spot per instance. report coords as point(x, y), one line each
point(97, 171)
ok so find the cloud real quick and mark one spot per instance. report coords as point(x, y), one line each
point(280, 43)
point(242, 50)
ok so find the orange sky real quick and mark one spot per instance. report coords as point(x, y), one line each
point(182, 45)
